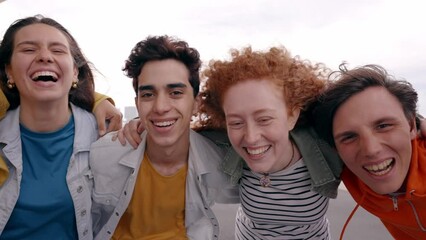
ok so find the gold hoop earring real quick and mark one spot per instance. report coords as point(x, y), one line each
point(10, 84)
point(74, 84)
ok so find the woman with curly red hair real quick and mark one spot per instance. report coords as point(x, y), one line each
point(259, 98)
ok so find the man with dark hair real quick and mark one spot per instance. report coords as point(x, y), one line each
point(370, 118)
point(165, 188)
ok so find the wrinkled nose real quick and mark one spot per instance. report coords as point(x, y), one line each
point(44, 55)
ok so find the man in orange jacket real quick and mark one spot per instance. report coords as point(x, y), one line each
point(370, 118)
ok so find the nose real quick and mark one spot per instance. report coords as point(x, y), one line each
point(252, 133)
point(44, 55)
point(370, 145)
point(162, 104)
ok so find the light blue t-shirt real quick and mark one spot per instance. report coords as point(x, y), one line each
point(44, 209)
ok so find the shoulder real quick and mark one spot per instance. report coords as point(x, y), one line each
point(200, 143)
point(85, 123)
point(81, 115)
point(106, 148)
point(106, 142)
point(206, 153)
point(109, 155)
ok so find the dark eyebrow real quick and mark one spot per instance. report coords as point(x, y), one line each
point(145, 87)
point(169, 86)
point(176, 85)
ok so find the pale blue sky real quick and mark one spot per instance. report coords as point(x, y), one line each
point(388, 32)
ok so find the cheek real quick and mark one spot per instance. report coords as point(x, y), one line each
point(276, 133)
point(345, 153)
point(234, 137)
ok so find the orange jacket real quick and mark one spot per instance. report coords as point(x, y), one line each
point(404, 215)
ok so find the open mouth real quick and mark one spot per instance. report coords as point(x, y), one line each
point(380, 169)
point(164, 123)
point(45, 76)
point(257, 151)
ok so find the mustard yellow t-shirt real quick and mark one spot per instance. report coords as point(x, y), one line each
point(157, 208)
point(4, 105)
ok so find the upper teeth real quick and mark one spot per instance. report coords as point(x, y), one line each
point(44, 73)
point(379, 167)
point(257, 150)
point(164, 124)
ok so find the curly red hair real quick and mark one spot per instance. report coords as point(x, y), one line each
point(300, 80)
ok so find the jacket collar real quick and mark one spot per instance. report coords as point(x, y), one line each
point(196, 160)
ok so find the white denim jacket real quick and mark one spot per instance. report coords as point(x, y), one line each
point(78, 175)
point(115, 168)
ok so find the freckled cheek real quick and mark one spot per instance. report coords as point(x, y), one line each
point(235, 137)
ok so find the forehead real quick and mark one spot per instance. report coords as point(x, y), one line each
point(255, 94)
point(371, 103)
point(161, 73)
point(39, 33)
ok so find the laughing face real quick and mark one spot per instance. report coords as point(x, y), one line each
point(373, 137)
point(165, 102)
point(258, 124)
point(41, 66)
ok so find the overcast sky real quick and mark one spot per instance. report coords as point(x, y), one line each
point(389, 32)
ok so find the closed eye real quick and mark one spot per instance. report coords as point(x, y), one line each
point(235, 124)
point(265, 120)
point(58, 51)
point(384, 126)
point(28, 50)
point(345, 139)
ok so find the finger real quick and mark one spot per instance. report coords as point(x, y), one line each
point(115, 124)
point(121, 137)
point(101, 125)
point(128, 133)
point(141, 127)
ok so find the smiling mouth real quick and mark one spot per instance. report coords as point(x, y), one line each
point(257, 151)
point(44, 76)
point(164, 123)
point(380, 169)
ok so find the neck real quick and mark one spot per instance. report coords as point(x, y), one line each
point(168, 160)
point(44, 117)
point(293, 158)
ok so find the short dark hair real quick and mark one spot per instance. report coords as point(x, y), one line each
point(82, 96)
point(351, 82)
point(162, 48)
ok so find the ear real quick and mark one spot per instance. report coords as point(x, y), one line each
point(292, 118)
point(136, 101)
point(196, 105)
point(8, 72)
point(75, 73)
point(413, 128)
point(137, 105)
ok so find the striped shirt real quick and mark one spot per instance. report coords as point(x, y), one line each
point(287, 209)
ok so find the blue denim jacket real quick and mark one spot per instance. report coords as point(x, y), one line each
point(79, 179)
point(322, 160)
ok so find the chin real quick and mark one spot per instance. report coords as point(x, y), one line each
point(385, 189)
point(258, 169)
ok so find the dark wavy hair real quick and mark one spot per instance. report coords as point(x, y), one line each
point(160, 48)
point(351, 82)
point(82, 96)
